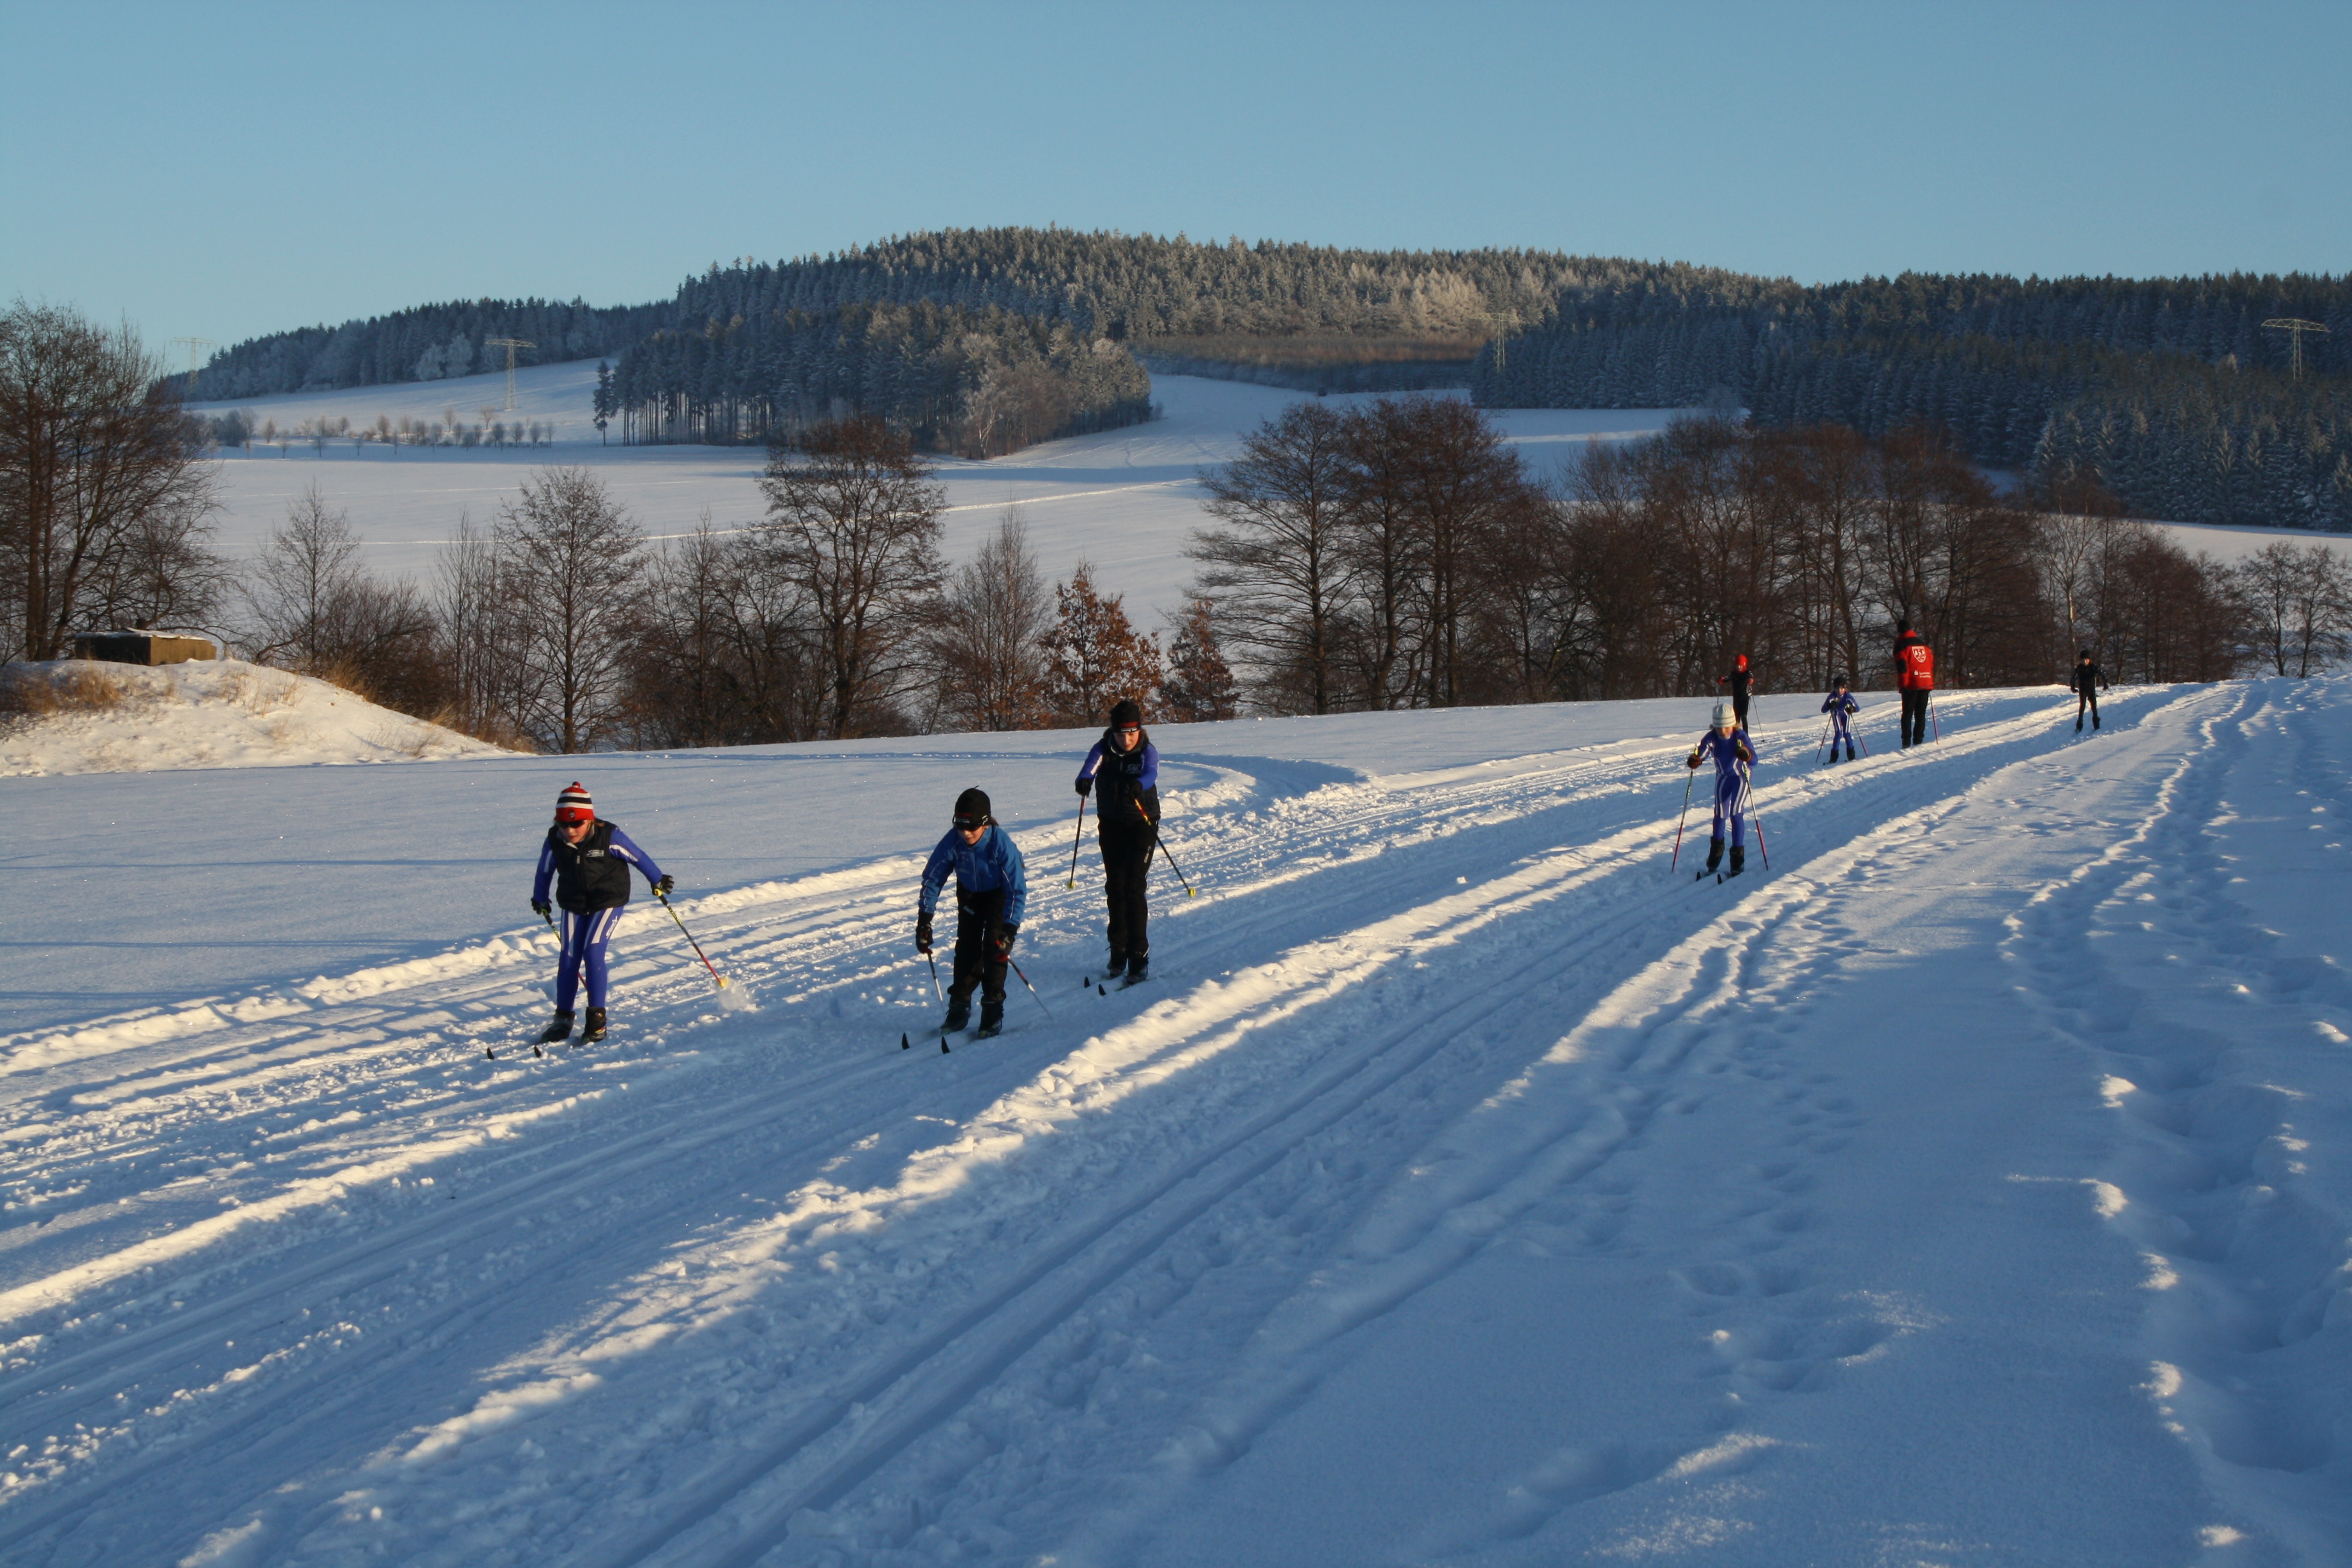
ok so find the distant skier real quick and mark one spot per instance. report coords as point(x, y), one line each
point(1127, 812)
point(1732, 752)
point(589, 860)
point(1914, 674)
point(992, 894)
point(1742, 681)
point(1841, 707)
point(2086, 682)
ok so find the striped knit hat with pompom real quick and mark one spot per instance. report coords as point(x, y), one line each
point(574, 805)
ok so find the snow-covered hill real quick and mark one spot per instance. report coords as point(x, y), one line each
point(223, 713)
point(1969, 1186)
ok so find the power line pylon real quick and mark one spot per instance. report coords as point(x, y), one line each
point(509, 345)
point(1504, 321)
point(193, 346)
point(2295, 327)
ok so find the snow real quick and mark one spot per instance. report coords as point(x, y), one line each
point(1127, 500)
point(1970, 1186)
point(221, 713)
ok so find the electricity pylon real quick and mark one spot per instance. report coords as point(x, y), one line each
point(509, 345)
point(1504, 321)
point(2295, 327)
point(193, 345)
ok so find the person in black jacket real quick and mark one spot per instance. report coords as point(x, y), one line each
point(1742, 682)
point(589, 861)
point(1125, 765)
point(2086, 682)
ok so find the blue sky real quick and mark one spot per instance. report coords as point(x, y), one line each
point(228, 169)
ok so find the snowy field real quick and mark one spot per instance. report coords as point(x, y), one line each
point(1973, 1186)
point(1125, 499)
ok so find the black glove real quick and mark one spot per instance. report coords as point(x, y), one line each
point(1004, 935)
point(923, 932)
point(662, 889)
point(1083, 785)
point(543, 910)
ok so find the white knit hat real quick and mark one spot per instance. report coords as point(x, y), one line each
point(1723, 714)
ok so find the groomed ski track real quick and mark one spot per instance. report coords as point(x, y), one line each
point(324, 1285)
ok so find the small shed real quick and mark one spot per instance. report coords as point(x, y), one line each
point(140, 648)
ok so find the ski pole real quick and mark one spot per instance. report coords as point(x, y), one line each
point(692, 943)
point(1932, 720)
point(1825, 735)
point(943, 1002)
point(1678, 821)
point(1747, 794)
point(1160, 846)
point(1074, 840)
point(1025, 980)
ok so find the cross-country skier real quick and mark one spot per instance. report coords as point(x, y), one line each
point(1729, 747)
point(589, 860)
point(2086, 682)
point(1126, 766)
point(992, 894)
point(1841, 707)
point(1742, 680)
point(1914, 673)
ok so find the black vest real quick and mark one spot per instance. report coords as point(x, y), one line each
point(588, 874)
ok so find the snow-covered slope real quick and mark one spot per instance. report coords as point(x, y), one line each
point(1971, 1186)
point(222, 714)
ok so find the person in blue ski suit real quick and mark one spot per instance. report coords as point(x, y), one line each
point(992, 895)
point(1841, 706)
point(1733, 753)
point(588, 860)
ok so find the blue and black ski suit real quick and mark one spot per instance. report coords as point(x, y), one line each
point(1732, 754)
point(992, 895)
point(591, 886)
point(1127, 818)
point(1841, 706)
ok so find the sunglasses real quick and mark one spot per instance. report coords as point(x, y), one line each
point(1130, 730)
point(966, 824)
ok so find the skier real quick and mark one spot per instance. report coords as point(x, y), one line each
point(1127, 813)
point(2085, 682)
point(1841, 707)
point(589, 860)
point(1729, 747)
point(1741, 681)
point(992, 894)
point(1914, 673)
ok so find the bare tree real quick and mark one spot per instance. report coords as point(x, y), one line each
point(570, 563)
point(96, 464)
point(2299, 606)
point(1275, 569)
point(300, 584)
point(855, 525)
point(986, 637)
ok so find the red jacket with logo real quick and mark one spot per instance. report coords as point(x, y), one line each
point(1914, 664)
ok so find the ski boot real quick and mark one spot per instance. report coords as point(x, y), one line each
point(992, 1019)
point(592, 1028)
point(1115, 962)
point(558, 1029)
point(1139, 968)
point(1849, 753)
point(959, 1016)
point(1739, 860)
point(2095, 721)
point(1714, 856)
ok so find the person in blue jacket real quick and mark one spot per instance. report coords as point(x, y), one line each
point(1841, 707)
point(1125, 764)
point(1733, 753)
point(992, 895)
point(589, 861)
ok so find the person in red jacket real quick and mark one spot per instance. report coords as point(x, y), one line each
point(1914, 677)
point(1742, 681)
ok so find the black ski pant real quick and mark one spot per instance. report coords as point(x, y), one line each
point(1739, 708)
point(978, 961)
point(2086, 698)
point(1915, 716)
point(1126, 857)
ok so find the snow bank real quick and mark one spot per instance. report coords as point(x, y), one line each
point(124, 717)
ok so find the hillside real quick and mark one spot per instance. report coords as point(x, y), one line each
point(76, 717)
point(1967, 1185)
